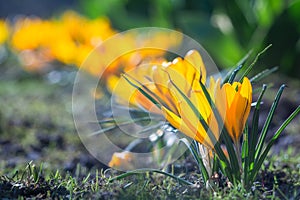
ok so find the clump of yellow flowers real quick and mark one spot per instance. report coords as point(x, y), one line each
point(68, 39)
point(212, 113)
point(71, 38)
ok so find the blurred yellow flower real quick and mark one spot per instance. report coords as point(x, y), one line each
point(68, 39)
point(72, 38)
point(127, 51)
point(4, 31)
point(32, 33)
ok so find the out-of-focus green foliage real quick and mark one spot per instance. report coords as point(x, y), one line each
point(227, 29)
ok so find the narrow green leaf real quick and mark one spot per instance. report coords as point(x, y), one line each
point(254, 61)
point(216, 164)
point(196, 154)
point(232, 154)
point(245, 153)
point(117, 123)
point(146, 92)
point(114, 121)
point(257, 90)
point(204, 124)
point(286, 122)
point(234, 73)
point(133, 144)
point(240, 63)
point(266, 126)
point(263, 74)
point(253, 137)
point(152, 94)
point(251, 140)
point(261, 159)
point(149, 128)
point(224, 135)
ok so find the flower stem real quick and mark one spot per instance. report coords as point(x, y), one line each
point(238, 152)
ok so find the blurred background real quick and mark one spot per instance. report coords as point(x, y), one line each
point(227, 30)
point(42, 42)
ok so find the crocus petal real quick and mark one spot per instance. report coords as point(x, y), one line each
point(178, 123)
point(239, 97)
point(195, 59)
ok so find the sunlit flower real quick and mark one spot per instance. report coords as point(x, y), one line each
point(239, 98)
point(233, 102)
point(175, 86)
point(177, 89)
point(188, 120)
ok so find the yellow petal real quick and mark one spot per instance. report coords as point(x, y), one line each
point(220, 99)
point(195, 59)
point(238, 107)
point(179, 124)
point(230, 92)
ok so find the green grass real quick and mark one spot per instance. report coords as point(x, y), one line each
point(281, 180)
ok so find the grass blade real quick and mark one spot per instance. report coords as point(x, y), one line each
point(146, 170)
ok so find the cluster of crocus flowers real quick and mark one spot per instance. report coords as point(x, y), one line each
point(176, 90)
point(212, 113)
point(201, 109)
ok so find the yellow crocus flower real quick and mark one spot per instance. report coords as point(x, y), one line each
point(238, 104)
point(165, 84)
point(188, 121)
